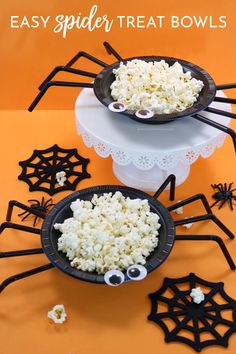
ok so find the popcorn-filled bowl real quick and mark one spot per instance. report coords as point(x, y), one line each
point(103, 81)
point(62, 211)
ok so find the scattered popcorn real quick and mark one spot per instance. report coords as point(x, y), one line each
point(61, 178)
point(179, 210)
point(110, 232)
point(156, 86)
point(188, 225)
point(57, 314)
point(197, 295)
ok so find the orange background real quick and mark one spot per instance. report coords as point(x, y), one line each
point(101, 319)
point(27, 55)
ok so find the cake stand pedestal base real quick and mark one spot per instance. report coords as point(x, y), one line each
point(149, 180)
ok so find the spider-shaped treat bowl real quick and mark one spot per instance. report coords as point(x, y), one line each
point(61, 211)
point(104, 79)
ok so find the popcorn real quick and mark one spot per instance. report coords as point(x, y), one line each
point(61, 178)
point(179, 210)
point(197, 295)
point(110, 232)
point(156, 86)
point(57, 314)
point(188, 225)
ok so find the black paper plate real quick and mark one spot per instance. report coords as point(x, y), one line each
point(61, 211)
point(105, 78)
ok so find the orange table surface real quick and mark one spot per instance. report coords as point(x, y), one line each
point(101, 319)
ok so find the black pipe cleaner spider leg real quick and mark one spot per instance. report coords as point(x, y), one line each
point(102, 91)
point(208, 216)
point(42, 206)
point(47, 83)
point(8, 224)
point(224, 194)
point(49, 236)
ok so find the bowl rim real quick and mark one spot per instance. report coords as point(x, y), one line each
point(56, 257)
point(198, 106)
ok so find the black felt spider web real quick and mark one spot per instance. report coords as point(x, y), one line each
point(39, 171)
point(198, 320)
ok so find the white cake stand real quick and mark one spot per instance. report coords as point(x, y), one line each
point(144, 155)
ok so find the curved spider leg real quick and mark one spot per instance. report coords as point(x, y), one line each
point(205, 217)
point(47, 203)
point(68, 70)
point(226, 86)
point(87, 56)
point(24, 212)
point(216, 202)
point(169, 180)
point(13, 203)
point(233, 190)
point(21, 253)
point(42, 201)
point(223, 202)
point(208, 216)
point(221, 187)
point(231, 204)
point(49, 84)
point(216, 125)
point(26, 216)
point(34, 200)
point(110, 50)
point(192, 199)
point(218, 186)
point(230, 186)
point(217, 239)
point(35, 220)
point(225, 100)
point(219, 99)
point(11, 225)
point(220, 112)
point(25, 274)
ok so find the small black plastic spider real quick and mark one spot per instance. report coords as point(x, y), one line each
point(42, 206)
point(224, 193)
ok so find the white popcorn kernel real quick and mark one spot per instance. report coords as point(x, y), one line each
point(61, 178)
point(57, 314)
point(197, 295)
point(179, 210)
point(155, 87)
point(110, 232)
point(188, 225)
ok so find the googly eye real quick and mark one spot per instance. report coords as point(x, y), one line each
point(114, 277)
point(136, 272)
point(144, 113)
point(117, 107)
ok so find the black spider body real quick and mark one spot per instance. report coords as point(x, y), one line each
point(224, 194)
point(42, 206)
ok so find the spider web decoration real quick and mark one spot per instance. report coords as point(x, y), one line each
point(39, 171)
point(211, 322)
